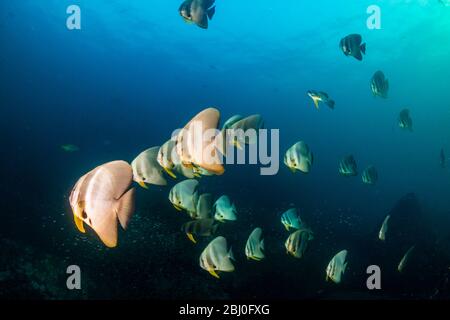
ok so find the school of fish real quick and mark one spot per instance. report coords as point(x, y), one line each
point(104, 197)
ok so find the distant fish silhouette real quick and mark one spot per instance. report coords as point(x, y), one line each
point(352, 46)
point(379, 85)
point(70, 148)
point(198, 12)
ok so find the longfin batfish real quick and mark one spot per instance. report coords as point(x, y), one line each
point(102, 197)
point(196, 142)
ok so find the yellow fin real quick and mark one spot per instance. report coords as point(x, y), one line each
point(286, 226)
point(213, 273)
point(316, 102)
point(177, 207)
point(191, 237)
point(142, 184)
point(170, 173)
point(79, 223)
point(254, 258)
point(188, 165)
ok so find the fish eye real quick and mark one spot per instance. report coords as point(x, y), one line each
point(143, 178)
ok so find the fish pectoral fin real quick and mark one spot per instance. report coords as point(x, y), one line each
point(292, 170)
point(177, 207)
point(79, 223)
point(191, 237)
point(213, 273)
point(170, 173)
point(287, 227)
point(142, 184)
point(255, 258)
point(316, 102)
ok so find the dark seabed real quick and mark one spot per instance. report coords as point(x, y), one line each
point(135, 72)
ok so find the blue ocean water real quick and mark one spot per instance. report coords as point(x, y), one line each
point(135, 72)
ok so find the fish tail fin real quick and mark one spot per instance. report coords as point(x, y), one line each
point(262, 244)
point(211, 12)
point(231, 255)
point(331, 104)
point(125, 208)
point(345, 267)
point(363, 48)
point(300, 221)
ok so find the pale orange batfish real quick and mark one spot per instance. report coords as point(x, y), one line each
point(103, 196)
point(196, 142)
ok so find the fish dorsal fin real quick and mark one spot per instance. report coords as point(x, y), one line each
point(125, 208)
